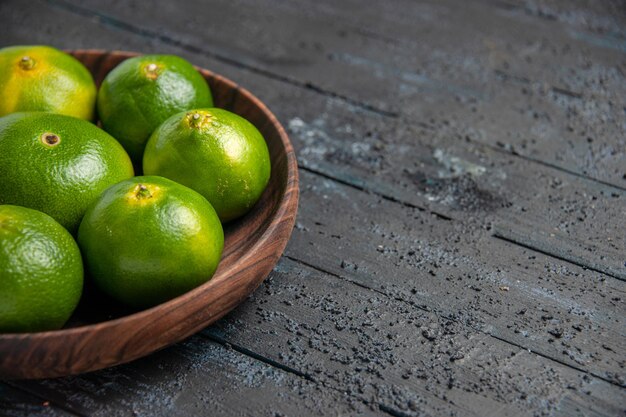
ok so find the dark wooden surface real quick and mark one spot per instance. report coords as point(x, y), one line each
point(460, 244)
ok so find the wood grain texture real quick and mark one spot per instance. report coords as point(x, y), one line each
point(197, 377)
point(539, 88)
point(408, 360)
point(462, 107)
point(253, 244)
point(315, 322)
point(461, 272)
point(430, 164)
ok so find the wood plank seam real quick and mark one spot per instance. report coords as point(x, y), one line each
point(65, 406)
point(391, 411)
point(445, 316)
point(302, 166)
point(496, 234)
point(247, 352)
point(244, 351)
point(500, 234)
point(576, 368)
point(555, 167)
point(104, 395)
point(358, 284)
point(122, 25)
point(528, 11)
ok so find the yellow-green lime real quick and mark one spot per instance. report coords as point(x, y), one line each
point(42, 78)
point(57, 164)
point(149, 239)
point(217, 153)
point(142, 92)
point(41, 271)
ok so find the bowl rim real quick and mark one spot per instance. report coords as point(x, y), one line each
point(276, 232)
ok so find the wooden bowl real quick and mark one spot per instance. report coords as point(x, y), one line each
point(102, 333)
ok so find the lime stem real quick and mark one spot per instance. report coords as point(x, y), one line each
point(142, 192)
point(26, 62)
point(50, 139)
point(152, 71)
point(198, 120)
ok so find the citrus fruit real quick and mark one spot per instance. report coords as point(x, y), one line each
point(41, 271)
point(57, 164)
point(215, 152)
point(42, 78)
point(141, 92)
point(149, 239)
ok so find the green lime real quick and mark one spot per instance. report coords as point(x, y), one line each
point(42, 78)
point(149, 239)
point(142, 92)
point(57, 164)
point(215, 152)
point(41, 271)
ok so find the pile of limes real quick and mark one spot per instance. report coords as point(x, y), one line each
point(70, 203)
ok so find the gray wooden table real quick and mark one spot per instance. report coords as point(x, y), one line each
point(460, 246)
